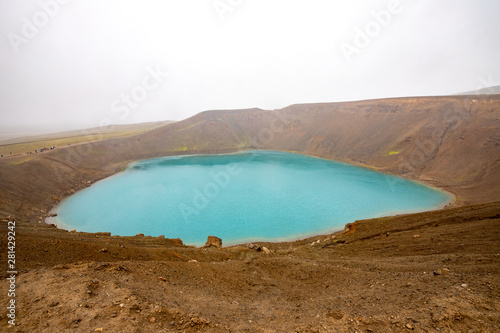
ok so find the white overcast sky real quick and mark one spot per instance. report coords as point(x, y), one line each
point(71, 64)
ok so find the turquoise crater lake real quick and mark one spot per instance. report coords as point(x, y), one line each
point(248, 196)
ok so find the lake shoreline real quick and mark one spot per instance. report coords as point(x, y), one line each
point(328, 230)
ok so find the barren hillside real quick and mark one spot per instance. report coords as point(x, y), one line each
point(449, 142)
point(432, 271)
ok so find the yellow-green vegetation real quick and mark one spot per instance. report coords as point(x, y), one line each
point(468, 176)
point(23, 145)
point(241, 145)
point(186, 148)
point(20, 160)
point(190, 126)
point(26, 147)
point(392, 152)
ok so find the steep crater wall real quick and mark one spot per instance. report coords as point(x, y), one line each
point(449, 142)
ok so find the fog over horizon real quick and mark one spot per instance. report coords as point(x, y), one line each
point(70, 64)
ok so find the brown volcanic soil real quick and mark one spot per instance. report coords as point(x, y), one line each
point(376, 277)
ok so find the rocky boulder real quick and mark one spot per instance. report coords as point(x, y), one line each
point(255, 247)
point(213, 241)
